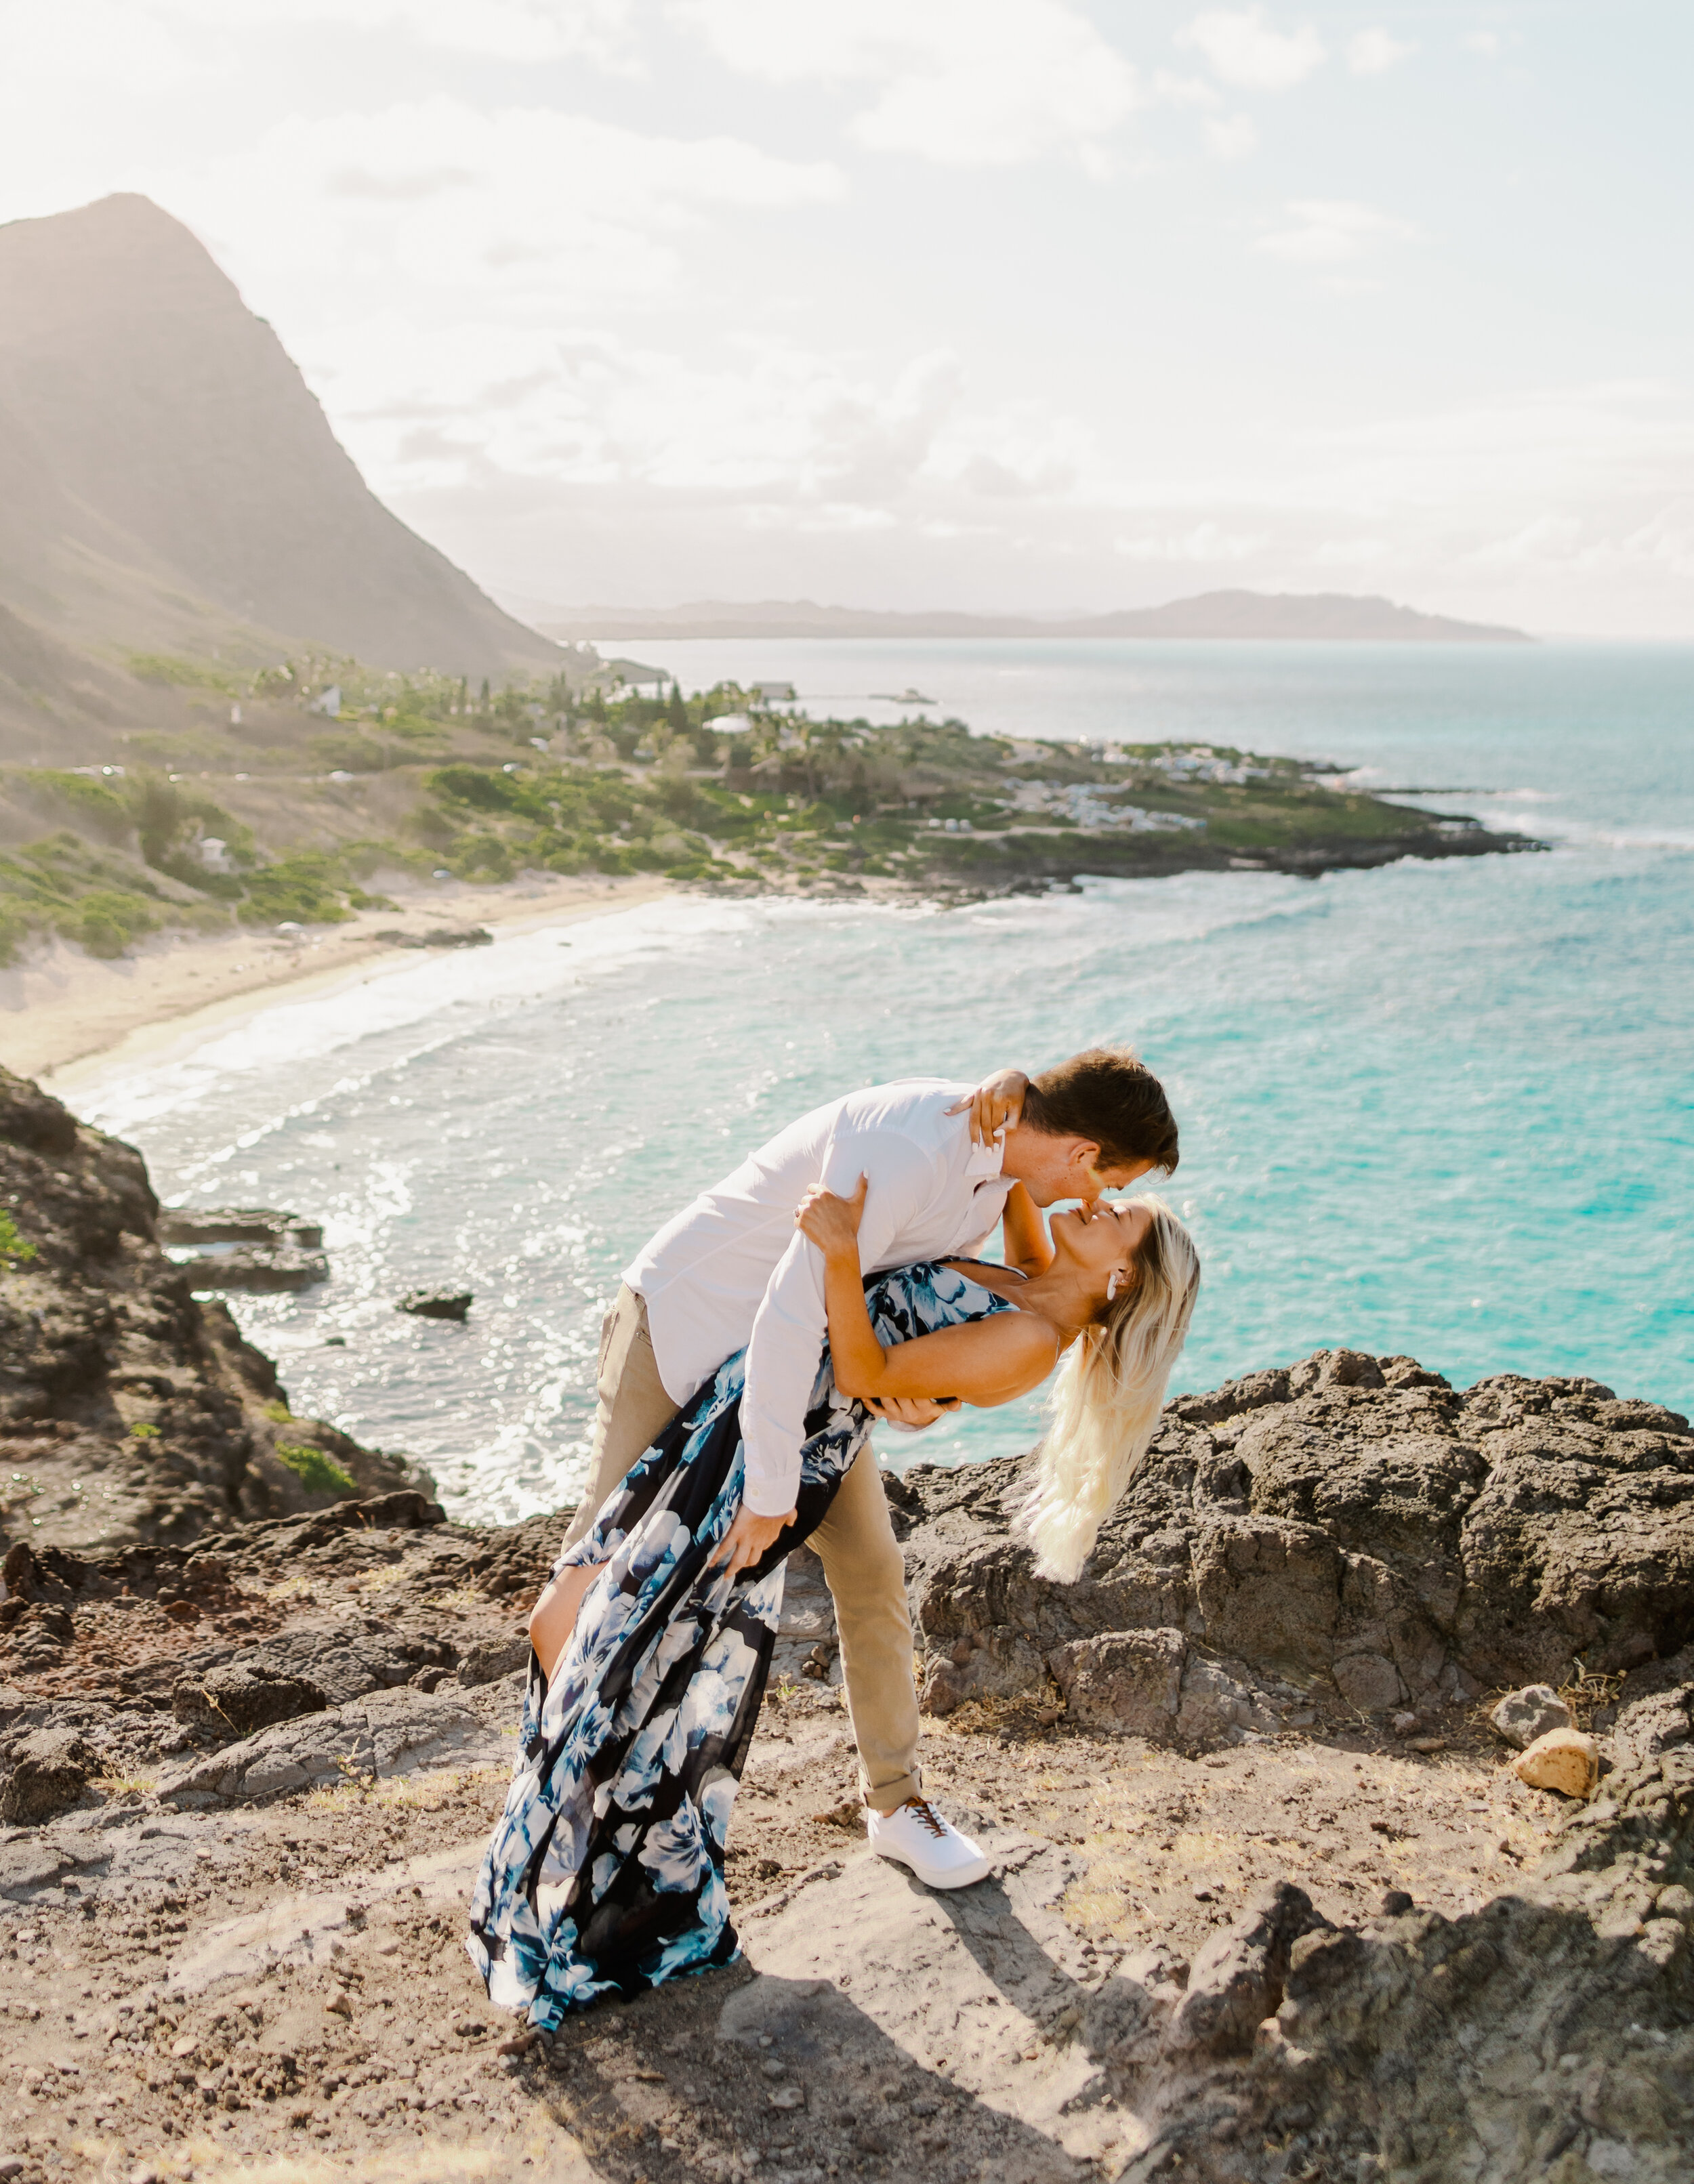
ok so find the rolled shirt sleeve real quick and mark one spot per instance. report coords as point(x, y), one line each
point(789, 1327)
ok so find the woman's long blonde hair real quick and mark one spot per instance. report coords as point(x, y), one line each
point(1106, 1402)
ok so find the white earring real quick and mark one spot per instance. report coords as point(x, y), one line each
point(1111, 1286)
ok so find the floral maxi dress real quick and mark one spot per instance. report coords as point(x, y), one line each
point(605, 1873)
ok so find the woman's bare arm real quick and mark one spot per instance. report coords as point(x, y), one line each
point(985, 1362)
point(1028, 1247)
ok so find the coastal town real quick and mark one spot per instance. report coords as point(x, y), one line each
point(300, 794)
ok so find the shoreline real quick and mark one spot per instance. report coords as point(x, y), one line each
point(67, 1017)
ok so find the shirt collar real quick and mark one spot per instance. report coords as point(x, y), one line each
point(983, 1163)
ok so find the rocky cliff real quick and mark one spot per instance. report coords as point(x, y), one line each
point(1351, 1536)
point(129, 1412)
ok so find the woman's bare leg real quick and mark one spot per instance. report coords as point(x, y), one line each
point(553, 1616)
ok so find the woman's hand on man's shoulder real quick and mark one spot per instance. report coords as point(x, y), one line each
point(996, 1106)
point(832, 1223)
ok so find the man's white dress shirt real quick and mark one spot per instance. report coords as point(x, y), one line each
point(732, 1271)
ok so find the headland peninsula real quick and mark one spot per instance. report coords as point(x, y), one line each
point(303, 794)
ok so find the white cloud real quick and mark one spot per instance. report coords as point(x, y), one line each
point(1486, 42)
point(1325, 231)
point(532, 209)
point(502, 29)
point(1205, 541)
point(1371, 52)
point(962, 82)
point(1227, 136)
point(1230, 137)
point(99, 46)
point(1246, 49)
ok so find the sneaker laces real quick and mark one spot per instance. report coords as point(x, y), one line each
point(927, 1816)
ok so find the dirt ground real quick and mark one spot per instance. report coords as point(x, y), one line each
point(282, 1991)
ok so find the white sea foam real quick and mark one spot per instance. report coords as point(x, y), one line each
point(519, 967)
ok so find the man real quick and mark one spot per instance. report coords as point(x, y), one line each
point(945, 1165)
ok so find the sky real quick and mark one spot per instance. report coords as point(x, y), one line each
point(1021, 305)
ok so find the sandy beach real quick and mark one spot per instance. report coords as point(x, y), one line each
point(66, 1017)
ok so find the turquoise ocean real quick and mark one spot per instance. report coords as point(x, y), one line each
point(1441, 1108)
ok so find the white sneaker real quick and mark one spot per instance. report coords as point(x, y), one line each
point(915, 1834)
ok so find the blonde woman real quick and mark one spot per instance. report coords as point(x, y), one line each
point(1113, 1301)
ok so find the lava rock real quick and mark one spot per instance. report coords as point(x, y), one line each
point(1657, 1723)
point(1238, 1977)
point(1524, 1715)
point(1127, 1683)
point(245, 1696)
point(1435, 2030)
point(49, 1774)
point(259, 1270)
point(437, 1303)
point(139, 1404)
point(498, 1656)
point(235, 1225)
point(389, 1733)
point(1388, 1542)
point(440, 936)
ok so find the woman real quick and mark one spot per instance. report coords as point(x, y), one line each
point(605, 1872)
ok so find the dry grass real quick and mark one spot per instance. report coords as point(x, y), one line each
point(462, 1598)
point(1585, 1693)
point(425, 1793)
point(1027, 1714)
point(291, 1588)
point(124, 1785)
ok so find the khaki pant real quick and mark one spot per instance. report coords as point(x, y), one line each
point(856, 1543)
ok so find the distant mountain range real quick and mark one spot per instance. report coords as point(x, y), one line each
point(1327, 616)
point(168, 482)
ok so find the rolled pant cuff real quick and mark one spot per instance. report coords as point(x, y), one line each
point(885, 1796)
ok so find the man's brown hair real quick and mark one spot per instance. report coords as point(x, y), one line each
point(1106, 1094)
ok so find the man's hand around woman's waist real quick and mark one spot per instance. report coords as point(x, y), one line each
point(747, 1540)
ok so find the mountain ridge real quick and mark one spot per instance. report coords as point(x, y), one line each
point(167, 476)
point(1236, 614)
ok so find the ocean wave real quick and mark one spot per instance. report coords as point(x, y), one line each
point(391, 999)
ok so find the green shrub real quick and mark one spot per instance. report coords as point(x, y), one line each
point(414, 729)
point(181, 674)
point(356, 754)
point(14, 1248)
point(306, 887)
point(94, 802)
point(317, 1473)
point(476, 785)
point(105, 923)
point(484, 857)
point(14, 930)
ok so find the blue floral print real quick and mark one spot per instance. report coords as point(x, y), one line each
point(605, 1873)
